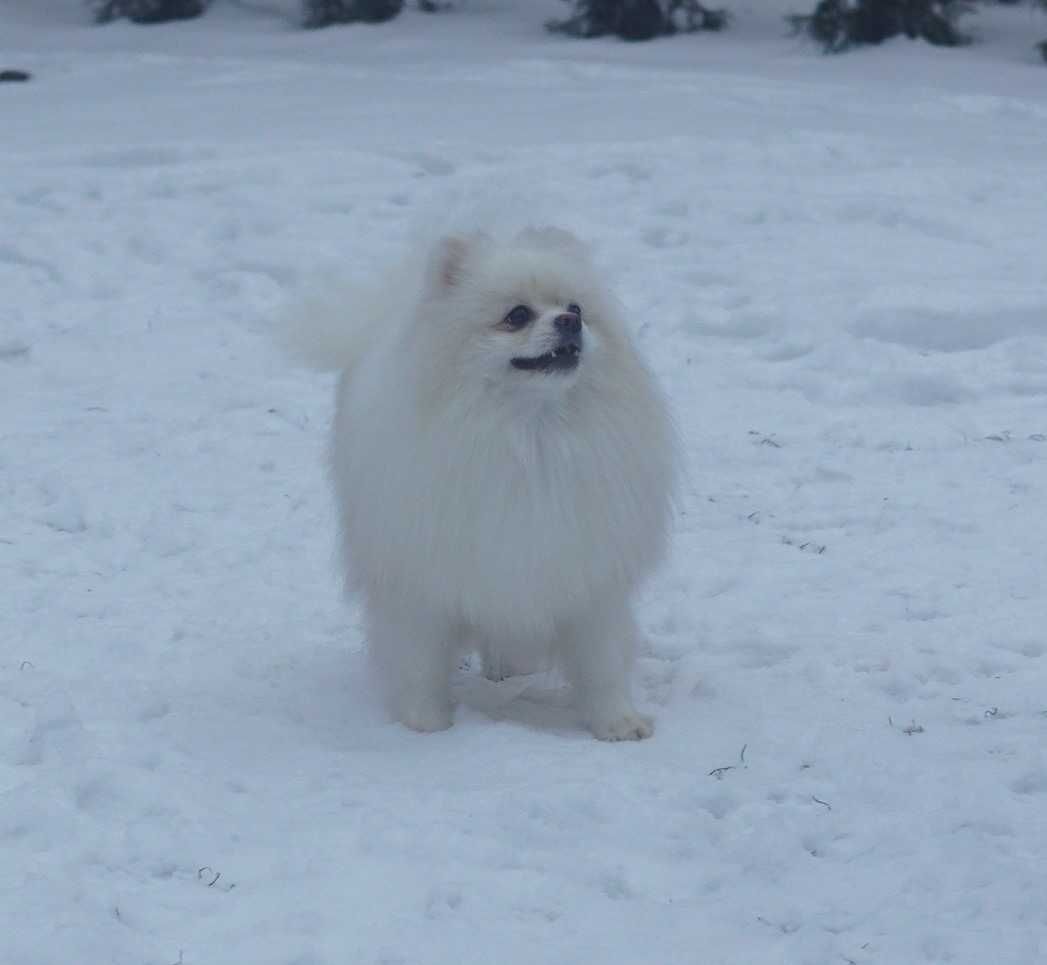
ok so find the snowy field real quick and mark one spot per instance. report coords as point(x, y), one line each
point(837, 268)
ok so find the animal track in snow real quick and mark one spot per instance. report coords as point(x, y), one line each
point(1034, 782)
point(660, 236)
point(12, 256)
point(143, 157)
point(938, 331)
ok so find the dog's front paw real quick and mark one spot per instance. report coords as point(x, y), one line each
point(427, 719)
point(629, 726)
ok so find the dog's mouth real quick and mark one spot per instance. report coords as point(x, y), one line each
point(564, 358)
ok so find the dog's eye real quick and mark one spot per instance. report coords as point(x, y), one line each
point(575, 309)
point(519, 317)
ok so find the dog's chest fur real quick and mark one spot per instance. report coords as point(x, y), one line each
point(504, 519)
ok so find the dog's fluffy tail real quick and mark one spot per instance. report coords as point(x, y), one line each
point(329, 329)
point(338, 321)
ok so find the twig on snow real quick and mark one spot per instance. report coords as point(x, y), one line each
point(913, 727)
point(718, 772)
point(206, 872)
point(765, 439)
point(808, 546)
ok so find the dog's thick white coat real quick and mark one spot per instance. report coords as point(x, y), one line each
point(481, 505)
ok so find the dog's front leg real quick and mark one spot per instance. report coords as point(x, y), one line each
point(410, 648)
point(598, 650)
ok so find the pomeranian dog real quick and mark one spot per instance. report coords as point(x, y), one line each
point(504, 466)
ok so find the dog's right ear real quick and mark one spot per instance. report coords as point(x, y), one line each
point(447, 266)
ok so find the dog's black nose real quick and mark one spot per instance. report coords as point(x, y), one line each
point(568, 323)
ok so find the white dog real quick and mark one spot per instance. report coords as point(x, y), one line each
point(503, 464)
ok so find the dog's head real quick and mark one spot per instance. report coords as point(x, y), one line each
point(522, 313)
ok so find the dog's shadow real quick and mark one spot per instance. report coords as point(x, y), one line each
point(539, 701)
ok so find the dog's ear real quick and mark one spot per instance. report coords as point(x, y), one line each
point(447, 266)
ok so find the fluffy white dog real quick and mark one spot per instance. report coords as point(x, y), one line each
point(503, 464)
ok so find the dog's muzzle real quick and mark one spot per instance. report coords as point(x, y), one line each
point(567, 353)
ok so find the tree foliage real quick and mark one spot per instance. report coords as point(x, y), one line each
point(840, 24)
point(147, 11)
point(322, 13)
point(834, 24)
point(637, 19)
point(1042, 45)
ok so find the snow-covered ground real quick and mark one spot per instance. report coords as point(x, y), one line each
point(837, 267)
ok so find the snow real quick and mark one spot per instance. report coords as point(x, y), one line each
point(836, 268)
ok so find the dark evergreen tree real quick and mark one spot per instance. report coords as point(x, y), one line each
point(840, 24)
point(147, 11)
point(687, 16)
point(1042, 45)
point(637, 19)
point(322, 13)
